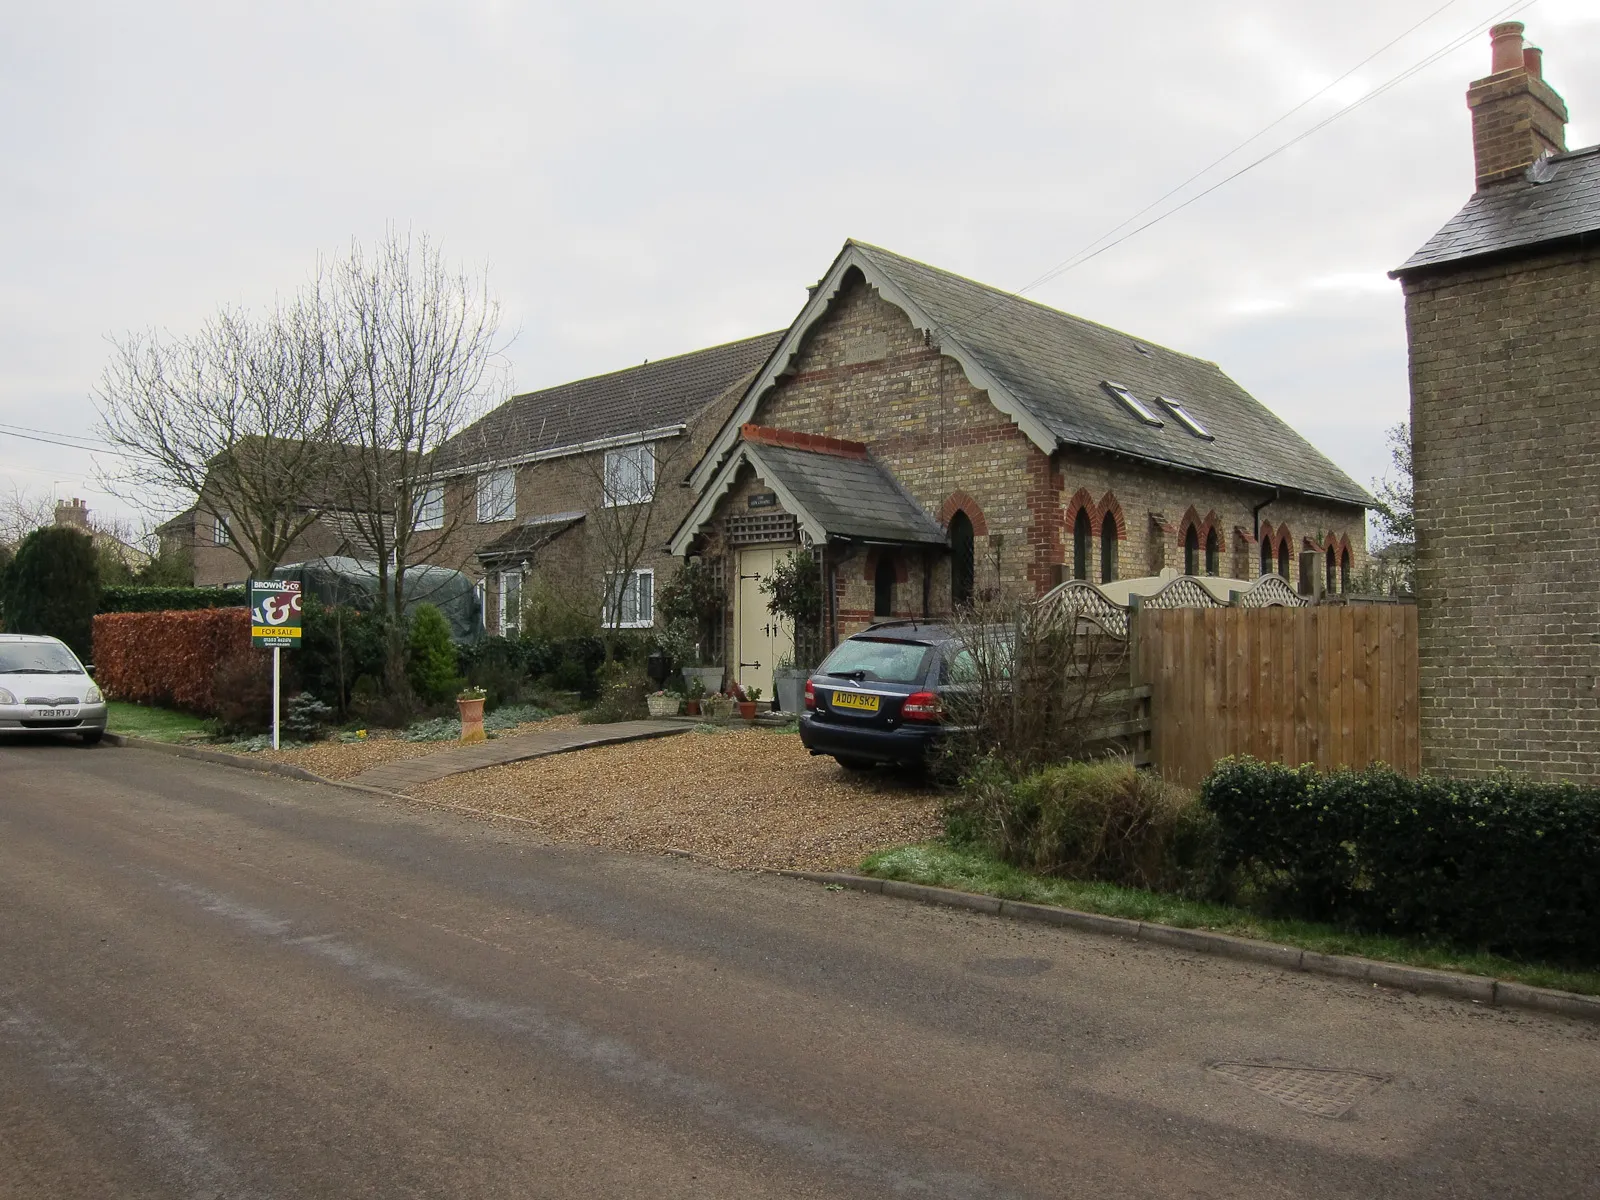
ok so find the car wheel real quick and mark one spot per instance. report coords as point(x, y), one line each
point(91, 737)
point(854, 764)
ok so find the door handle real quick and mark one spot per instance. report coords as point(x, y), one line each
point(756, 665)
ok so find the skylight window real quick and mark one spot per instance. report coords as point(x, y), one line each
point(1135, 405)
point(1186, 418)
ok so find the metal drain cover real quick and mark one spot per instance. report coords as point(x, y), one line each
point(1319, 1091)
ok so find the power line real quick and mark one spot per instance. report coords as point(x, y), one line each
point(11, 431)
point(1265, 129)
point(1454, 44)
point(77, 437)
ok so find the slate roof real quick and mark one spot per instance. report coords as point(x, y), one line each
point(1055, 364)
point(849, 497)
point(666, 392)
point(1557, 198)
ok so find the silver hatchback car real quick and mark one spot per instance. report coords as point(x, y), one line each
point(44, 689)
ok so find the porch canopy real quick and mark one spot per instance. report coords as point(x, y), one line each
point(832, 488)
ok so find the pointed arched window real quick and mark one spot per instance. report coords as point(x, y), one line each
point(1082, 536)
point(1344, 570)
point(1191, 552)
point(1283, 557)
point(1108, 548)
point(1213, 553)
point(1266, 558)
point(963, 562)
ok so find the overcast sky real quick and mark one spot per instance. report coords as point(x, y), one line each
point(646, 179)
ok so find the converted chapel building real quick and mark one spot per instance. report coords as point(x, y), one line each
point(933, 439)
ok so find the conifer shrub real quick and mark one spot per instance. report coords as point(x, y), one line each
point(431, 664)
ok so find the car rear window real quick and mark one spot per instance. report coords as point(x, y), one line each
point(37, 658)
point(880, 660)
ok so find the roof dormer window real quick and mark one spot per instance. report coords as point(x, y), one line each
point(1135, 405)
point(1186, 418)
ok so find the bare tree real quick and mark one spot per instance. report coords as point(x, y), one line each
point(413, 360)
point(237, 418)
point(21, 512)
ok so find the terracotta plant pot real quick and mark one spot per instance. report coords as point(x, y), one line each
point(691, 708)
point(747, 710)
point(471, 721)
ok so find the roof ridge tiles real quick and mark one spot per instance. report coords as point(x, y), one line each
point(793, 439)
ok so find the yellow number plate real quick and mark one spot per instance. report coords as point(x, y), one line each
point(856, 701)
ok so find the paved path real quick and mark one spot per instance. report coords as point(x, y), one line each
point(215, 983)
point(407, 773)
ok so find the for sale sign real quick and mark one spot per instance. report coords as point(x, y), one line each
point(275, 612)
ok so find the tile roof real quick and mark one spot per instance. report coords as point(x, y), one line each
point(530, 535)
point(1556, 198)
point(657, 394)
point(1056, 365)
point(849, 496)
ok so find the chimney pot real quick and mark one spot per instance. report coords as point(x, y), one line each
point(1533, 61)
point(1506, 47)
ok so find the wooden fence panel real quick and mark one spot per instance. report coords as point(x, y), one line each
point(1332, 685)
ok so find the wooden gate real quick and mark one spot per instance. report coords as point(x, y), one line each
point(1332, 685)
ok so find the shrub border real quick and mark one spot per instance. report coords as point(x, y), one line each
point(1479, 989)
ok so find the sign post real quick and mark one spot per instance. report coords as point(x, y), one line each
point(275, 621)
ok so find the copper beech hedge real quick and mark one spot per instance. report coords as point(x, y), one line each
point(168, 658)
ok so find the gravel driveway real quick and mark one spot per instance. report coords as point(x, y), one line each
point(345, 760)
point(745, 798)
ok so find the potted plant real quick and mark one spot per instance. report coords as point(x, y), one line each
point(691, 701)
point(718, 708)
point(470, 703)
point(794, 596)
point(662, 703)
point(789, 681)
point(747, 706)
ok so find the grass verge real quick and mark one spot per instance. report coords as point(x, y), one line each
point(157, 724)
point(967, 871)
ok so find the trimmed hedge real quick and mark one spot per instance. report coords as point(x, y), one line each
point(128, 598)
point(170, 658)
point(1500, 863)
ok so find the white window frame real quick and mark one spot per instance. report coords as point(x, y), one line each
point(221, 535)
point(430, 508)
point(504, 591)
point(630, 475)
point(638, 620)
point(1134, 405)
point(497, 496)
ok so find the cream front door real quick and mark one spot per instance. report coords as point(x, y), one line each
point(762, 638)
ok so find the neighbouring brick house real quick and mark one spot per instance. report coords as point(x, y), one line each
point(322, 501)
point(554, 488)
point(1503, 319)
point(933, 439)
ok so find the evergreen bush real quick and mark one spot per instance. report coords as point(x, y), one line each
point(431, 656)
point(1097, 821)
point(133, 598)
point(1503, 863)
point(52, 587)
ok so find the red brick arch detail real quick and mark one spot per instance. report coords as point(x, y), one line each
point(1108, 504)
point(1285, 538)
point(1201, 526)
point(961, 502)
point(1084, 502)
point(869, 568)
point(1266, 537)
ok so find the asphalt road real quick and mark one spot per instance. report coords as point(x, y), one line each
point(215, 984)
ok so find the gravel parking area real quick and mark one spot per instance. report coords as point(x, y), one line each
point(344, 760)
point(745, 798)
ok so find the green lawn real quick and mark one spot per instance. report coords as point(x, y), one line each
point(157, 724)
point(941, 866)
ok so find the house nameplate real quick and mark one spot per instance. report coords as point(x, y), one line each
point(762, 500)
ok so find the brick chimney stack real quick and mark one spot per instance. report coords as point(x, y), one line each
point(73, 513)
point(1516, 115)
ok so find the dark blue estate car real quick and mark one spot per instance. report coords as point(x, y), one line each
point(878, 697)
